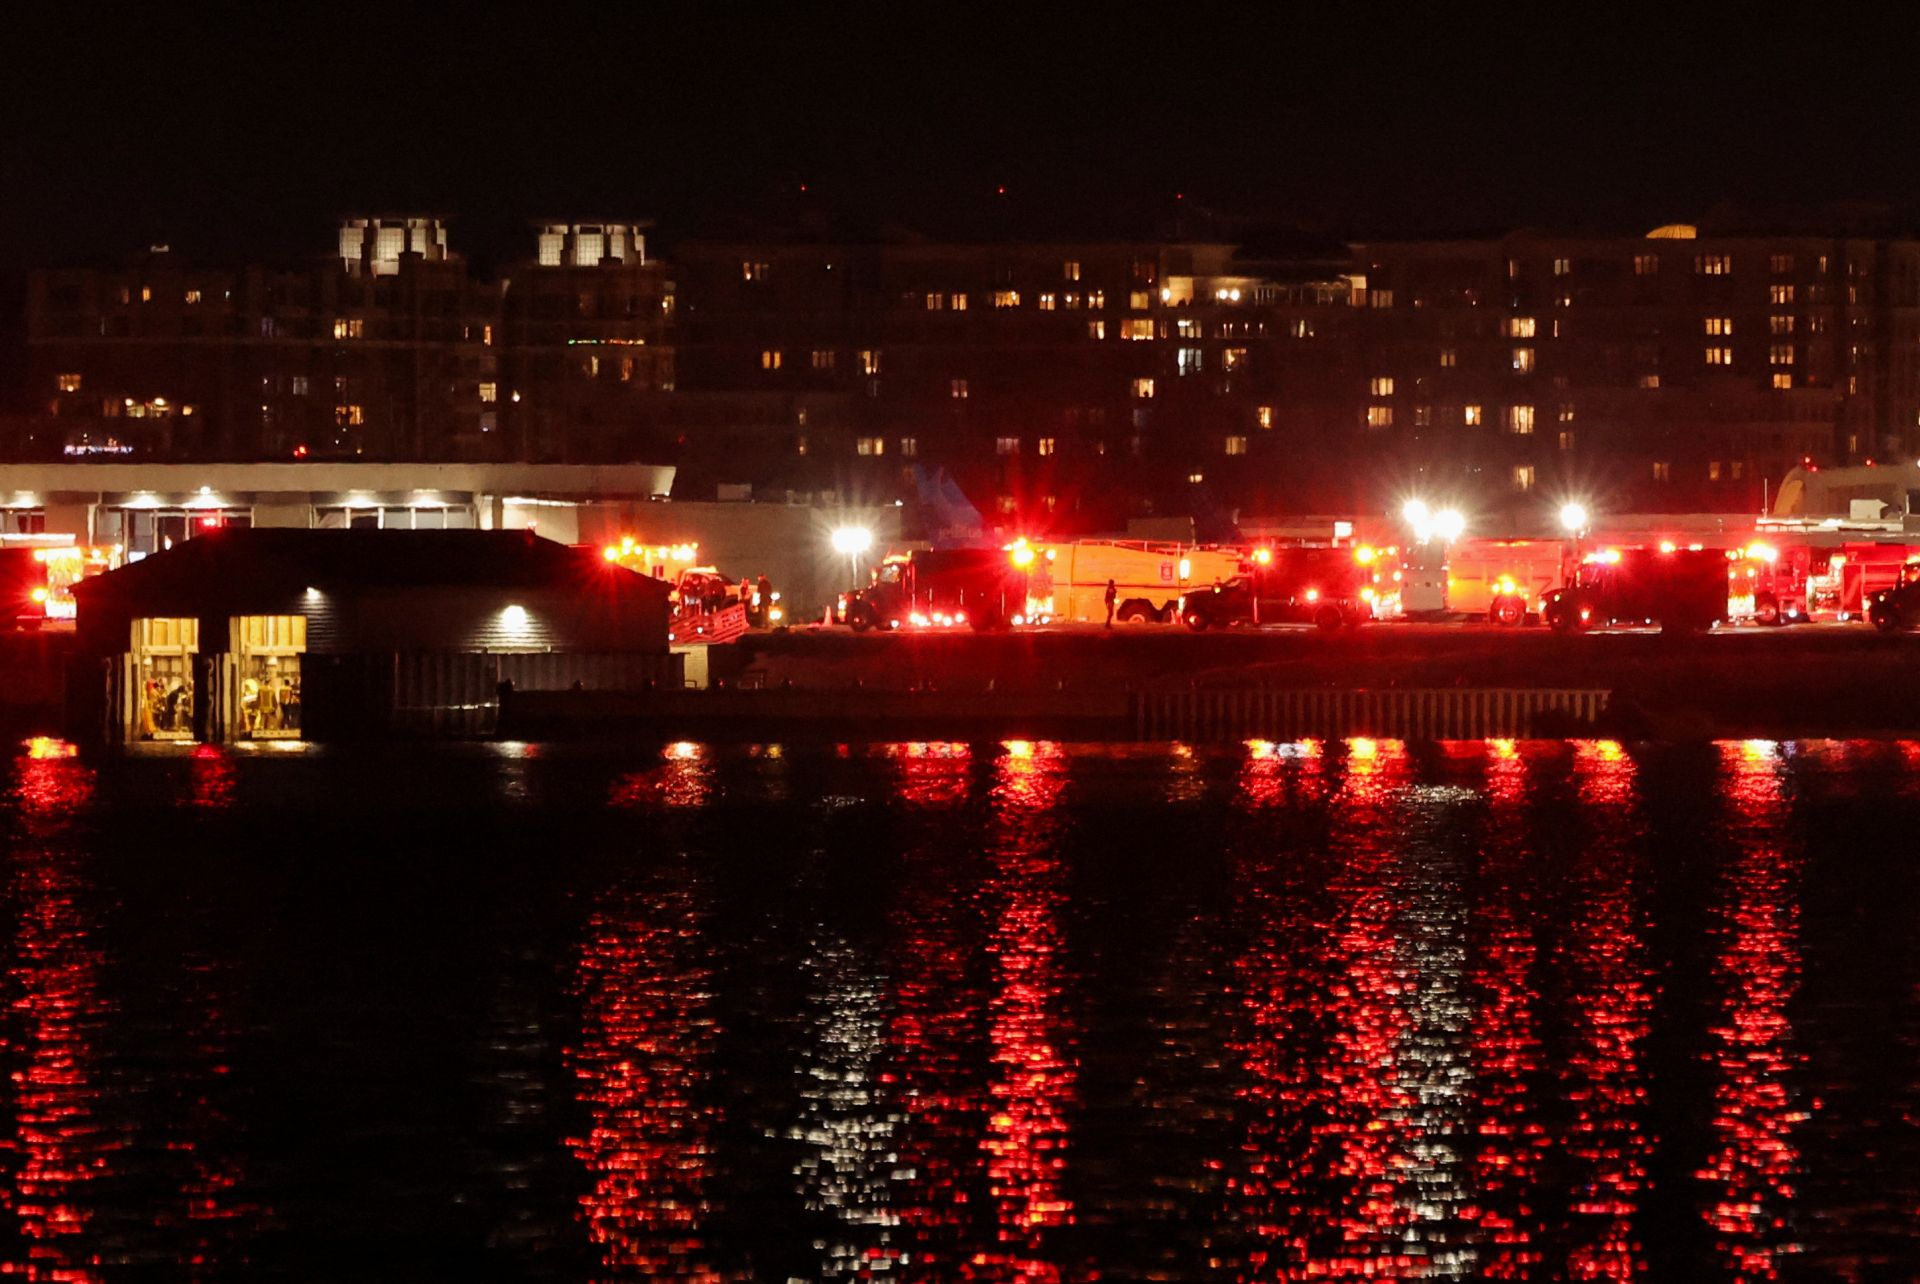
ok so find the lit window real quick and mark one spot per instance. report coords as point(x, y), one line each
point(489, 391)
point(959, 303)
point(1523, 477)
point(1006, 298)
point(1300, 328)
point(1233, 358)
point(870, 445)
point(1521, 327)
point(753, 271)
point(1566, 412)
point(1719, 356)
point(1649, 381)
point(1713, 470)
point(1663, 471)
point(800, 445)
point(1566, 439)
point(1379, 416)
point(769, 358)
point(68, 382)
point(1136, 328)
point(1449, 358)
point(1381, 385)
point(1780, 354)
point(1470, 415)
point(193, 296)
point(349, 415)
point(935, 302)
point(1048, 302)
point(909, 447)
point(870, 361)
point(1783, 379)
point(1646, 264)
point(1096, 329)
point(1143, 389)
point(146, 294)
point(1423, 416)
point(349, 328)
point(1188, 361)
point(1712, 264)
point(1719, 325)
point(1523, 360)
point(1380, 298)
point(1562, 267)
point(1006, 445)
point(1780, 264)
point(1236, 445)
point(1779, 295)
point(823, 358)
point(1520, 419)
point(1096, 298)
point(486, 334)
point(1264, 416)
point(1070, 270)
point(1736, 468)
point(299, 385)
point(1140, 300)
point(1044, 446)
point(957, 389)
point(1780, 325)
point(1194, 479)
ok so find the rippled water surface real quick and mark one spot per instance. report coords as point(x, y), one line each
point(947, 1011)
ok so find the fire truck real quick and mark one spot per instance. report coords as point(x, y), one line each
point(1331, 587)
point(985, 588)
point(1679, 588)
point(37, 579)
point(1774, 584)
point(1504, 580)
point(1149, 578)
point(1897, 606)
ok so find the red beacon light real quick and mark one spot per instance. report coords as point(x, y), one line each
point(1263, 555)
point(1365, 554)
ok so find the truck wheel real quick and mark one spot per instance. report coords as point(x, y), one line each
point(1508, 612)
point(1884, 617)
point(860, 617)
point(1328, 618)
point(1562, 617)
point(1134, 611)
point(1766, 609)
point(1196, 621)
point(987, 621)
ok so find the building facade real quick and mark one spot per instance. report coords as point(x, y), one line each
point(1063, 386)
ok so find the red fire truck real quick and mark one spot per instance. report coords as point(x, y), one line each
point(984, 588)
point(1678, 588)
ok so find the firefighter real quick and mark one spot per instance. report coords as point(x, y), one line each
point(1111, 597)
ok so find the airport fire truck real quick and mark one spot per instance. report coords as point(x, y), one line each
point(1681, 589)
point(1149, 578)
point(1504, 580)
point(982, 588)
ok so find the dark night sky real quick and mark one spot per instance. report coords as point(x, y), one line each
point(242, 131)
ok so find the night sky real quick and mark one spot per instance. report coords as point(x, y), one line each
point(237, 132)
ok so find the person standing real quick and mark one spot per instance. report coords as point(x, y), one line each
point(1112, 596)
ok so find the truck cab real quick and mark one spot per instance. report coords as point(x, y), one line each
point(941, 588)
point(1681, 589)
point(1322, 586)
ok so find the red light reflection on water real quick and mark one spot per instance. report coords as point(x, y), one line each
point(932, 773)
point(1753, 1168)
point(1611, 1001)
point(211, 775)
point(1032, 1075)
point(60, 1147)
point(645, 1042)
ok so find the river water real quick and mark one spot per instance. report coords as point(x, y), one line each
point(945, 1011)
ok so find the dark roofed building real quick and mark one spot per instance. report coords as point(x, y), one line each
point(264, 634)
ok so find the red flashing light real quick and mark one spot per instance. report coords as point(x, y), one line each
point(300, 451)
point(209, 522)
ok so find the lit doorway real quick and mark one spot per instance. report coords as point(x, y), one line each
point(162, 673)
point(267, 651)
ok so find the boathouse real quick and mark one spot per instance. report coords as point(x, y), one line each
point(264, 634)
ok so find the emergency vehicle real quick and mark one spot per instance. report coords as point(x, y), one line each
point(984, 588)
point(1328, 586)
point(696, 590)
point(1149, 578)
point(1897, 606)
point(37, 579)
point(1773, 584)
point(1504, 580)
point(1678, 588)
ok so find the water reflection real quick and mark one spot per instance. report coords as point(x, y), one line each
point(641, 1065)
point(1754, 1166)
